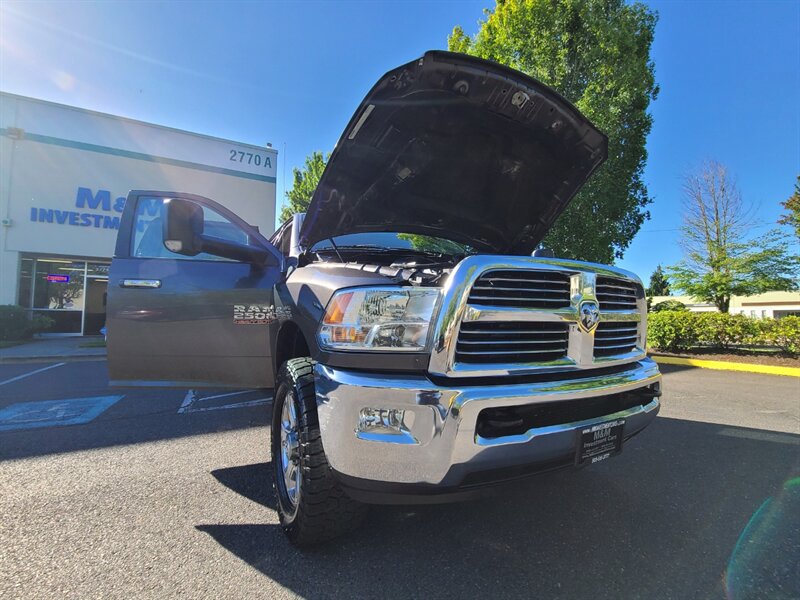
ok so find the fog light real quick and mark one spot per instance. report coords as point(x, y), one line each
point(385, 425)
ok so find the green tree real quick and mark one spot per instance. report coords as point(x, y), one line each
point(721, 258)
point(673, 305)
point(426, 243)
point(596, 53)
point(659, 284)
point(304, 183)
point(792, 207)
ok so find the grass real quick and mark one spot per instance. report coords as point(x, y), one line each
point(11, 343)
point(94, 344)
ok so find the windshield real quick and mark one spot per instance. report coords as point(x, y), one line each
point(394, 241)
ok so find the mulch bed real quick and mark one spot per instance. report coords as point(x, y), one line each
point(740, 356)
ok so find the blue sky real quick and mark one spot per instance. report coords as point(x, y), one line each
point(292, 73)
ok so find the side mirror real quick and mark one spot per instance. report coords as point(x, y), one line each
point(183, 232)
point(182, 223)
point(297, 225)
point(290, 264)
point(542, 252)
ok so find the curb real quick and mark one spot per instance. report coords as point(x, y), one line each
point(728, 366)
point(7, 360)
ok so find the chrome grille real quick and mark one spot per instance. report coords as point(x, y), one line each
point(616, 294)
point(511, 342)
point(511, 315)
point(612, 338)
point(522, 288)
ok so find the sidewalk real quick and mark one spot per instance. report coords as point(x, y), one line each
point(54, 349)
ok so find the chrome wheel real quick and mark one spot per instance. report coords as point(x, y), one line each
point(290, 450)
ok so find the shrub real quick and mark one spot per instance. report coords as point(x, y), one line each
point(680, 330)
point(669, 305)
point(671, 330)
point(15, 324)
point(723, 330)
point(783, 333)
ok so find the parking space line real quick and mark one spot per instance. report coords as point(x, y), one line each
point(24, 375)
point(192, 398)
point(256, 402)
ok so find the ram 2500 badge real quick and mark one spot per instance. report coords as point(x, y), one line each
point(418, 347)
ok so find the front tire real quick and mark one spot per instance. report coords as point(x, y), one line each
point(312, 506)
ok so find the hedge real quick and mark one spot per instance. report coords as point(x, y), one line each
point(679, 330)
point(16, 324)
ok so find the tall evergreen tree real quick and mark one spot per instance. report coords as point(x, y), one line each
point(659, 284)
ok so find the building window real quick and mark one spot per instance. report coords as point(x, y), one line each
point(70, 292)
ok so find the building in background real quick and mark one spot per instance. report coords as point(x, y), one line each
point(64, 175)
point(761, 306)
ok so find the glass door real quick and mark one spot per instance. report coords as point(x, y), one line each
point(94, 318)
point(58, 293)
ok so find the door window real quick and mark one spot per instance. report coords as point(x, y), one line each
point(147, 233)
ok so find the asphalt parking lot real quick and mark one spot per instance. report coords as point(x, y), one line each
point(107, 493)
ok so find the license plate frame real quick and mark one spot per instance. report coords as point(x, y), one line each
point(599, 442)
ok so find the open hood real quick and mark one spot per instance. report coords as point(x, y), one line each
point(459, 148)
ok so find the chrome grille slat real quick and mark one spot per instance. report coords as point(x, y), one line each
point(606, 286)
point(614, 338)
point(516, 332)
point(474, 297)
point(521, 289)
point(511, 342)
point(503, 280)
point(514, 289)
point(616, 346)
point(615, 293)
point(504, 342)
point(496, 352)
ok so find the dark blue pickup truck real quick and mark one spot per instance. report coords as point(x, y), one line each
point(420, 347)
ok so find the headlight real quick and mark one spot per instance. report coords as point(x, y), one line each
point(380, 318)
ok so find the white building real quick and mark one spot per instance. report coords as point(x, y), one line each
point(64, 175)
point(767, 305)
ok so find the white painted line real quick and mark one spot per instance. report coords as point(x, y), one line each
point(24, 375)
point(225, 395)
point(257, 402)
point(191, 396)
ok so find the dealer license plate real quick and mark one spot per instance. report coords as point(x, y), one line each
point(599, 442)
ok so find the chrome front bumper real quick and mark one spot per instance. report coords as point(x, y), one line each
point(429, 437)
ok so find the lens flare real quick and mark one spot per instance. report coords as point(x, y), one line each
point(765, 562)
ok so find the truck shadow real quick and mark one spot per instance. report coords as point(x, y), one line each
point(251, 481)
point(660, 521)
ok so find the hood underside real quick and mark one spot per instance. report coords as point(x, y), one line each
point(459, 148)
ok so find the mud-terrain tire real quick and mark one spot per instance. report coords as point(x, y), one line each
point(319, 510)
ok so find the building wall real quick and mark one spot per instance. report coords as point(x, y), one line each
point(66, 172)
point(767, 305)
